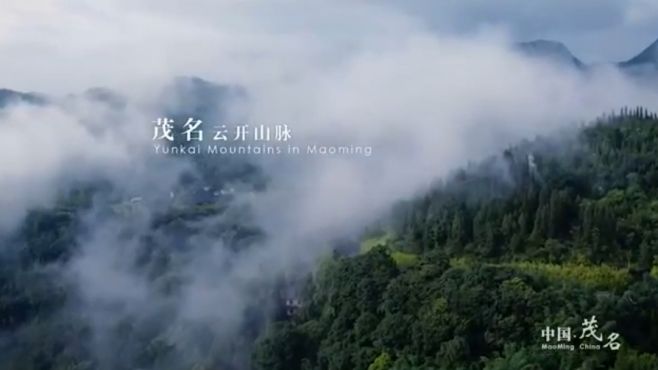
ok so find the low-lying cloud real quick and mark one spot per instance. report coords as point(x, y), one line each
point(426, 102)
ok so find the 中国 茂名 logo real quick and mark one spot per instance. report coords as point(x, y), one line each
point(561, 338)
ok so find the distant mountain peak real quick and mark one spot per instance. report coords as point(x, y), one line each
point(648, 56)
point(551, 50)
point(8, 97)
point(105, 95)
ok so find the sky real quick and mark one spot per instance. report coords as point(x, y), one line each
point(594, 30)
point(43, 42)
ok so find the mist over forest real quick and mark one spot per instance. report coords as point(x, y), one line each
point(475, 186)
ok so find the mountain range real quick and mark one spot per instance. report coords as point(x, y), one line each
point(9, 96)
point(551, 50)
point(645, 62)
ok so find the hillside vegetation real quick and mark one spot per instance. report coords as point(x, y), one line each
point(548, 234)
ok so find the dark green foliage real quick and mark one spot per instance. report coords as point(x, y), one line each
point(550, 233)
point(594, 196)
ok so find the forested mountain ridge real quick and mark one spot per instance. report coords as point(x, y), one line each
point(561, 189)
point(546, 235)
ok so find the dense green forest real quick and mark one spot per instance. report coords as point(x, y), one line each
point(473, 274)
point(470, 275)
